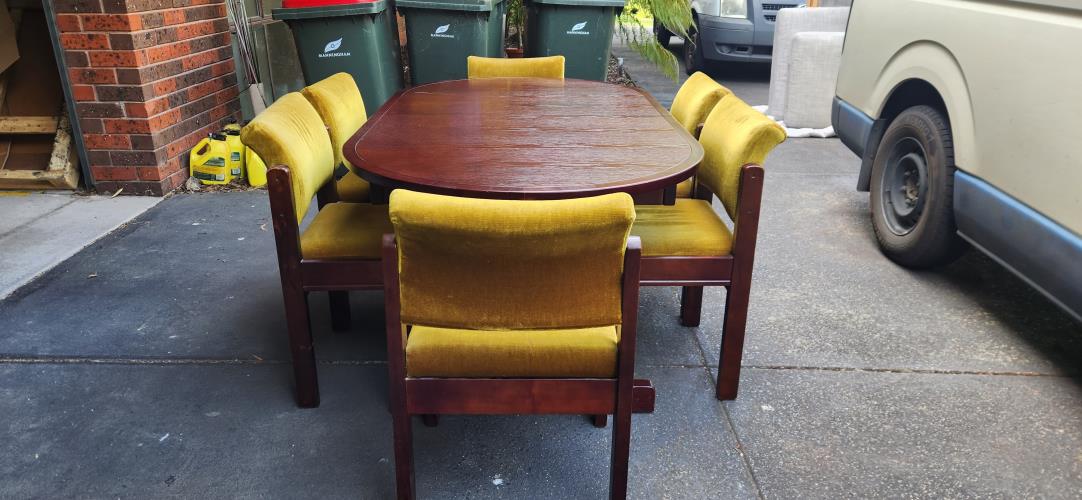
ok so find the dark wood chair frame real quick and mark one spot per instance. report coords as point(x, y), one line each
point(731, 271)
point(620, 396)
point(301, 276)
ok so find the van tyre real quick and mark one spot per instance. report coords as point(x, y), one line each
point(693, 50)
point(912, 190)
point(663, 35)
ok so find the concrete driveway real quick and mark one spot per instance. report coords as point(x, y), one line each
point(167, 374)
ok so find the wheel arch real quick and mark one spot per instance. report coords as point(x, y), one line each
point(922, 73)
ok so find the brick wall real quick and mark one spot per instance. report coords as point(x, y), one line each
point(151, 78)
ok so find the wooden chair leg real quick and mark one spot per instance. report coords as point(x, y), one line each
point(600, 421)
point(621, 451)
point(430, 420)
point(691, 305)
point(403, 454)
point(732, 340)
point(340, 317)
point(300, 346)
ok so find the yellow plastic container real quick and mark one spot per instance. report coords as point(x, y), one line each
point(236, 150)
point(209, 160)
point(257, 170)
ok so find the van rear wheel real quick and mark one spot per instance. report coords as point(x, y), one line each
point(912, 190)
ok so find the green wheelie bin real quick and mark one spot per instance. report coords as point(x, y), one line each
point(358, 37)
point(579, 30)
point(440, 34)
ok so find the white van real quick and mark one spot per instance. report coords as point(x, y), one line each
point(728, 31)
point(968, 117)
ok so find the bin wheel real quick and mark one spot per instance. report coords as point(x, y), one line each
point(912, 190)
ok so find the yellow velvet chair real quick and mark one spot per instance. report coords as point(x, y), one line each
point(692, 104)
point(339, 103)
point(340, 248)
point(690, 245)
point(508, 307)
point(498, 67)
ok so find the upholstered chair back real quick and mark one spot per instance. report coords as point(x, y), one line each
point(735, 134)
point(510, 264)
point(291, 133)
point(696, 97)
point(338, 102)
point(498, 67)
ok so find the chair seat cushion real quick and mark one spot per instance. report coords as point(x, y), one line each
point(352, 188)
point(445, 352)
point(690, 228)
point(346, 231)
point(683, 190)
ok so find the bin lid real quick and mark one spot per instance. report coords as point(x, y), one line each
point(583, 3)
point(301, 4)
point(312, 9)
point(469, 5)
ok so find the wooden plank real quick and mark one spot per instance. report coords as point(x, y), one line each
point(61, 156)
point(64, 156)
point(45, 125)
point(450, 396)
point(686, 271)
point(62, 171)
point(32, 179)
point(510, 396)
point(69, 172)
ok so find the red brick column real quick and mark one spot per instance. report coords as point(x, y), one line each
point(151, 78)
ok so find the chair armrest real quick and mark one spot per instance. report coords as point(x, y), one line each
point(287, 237)
point(748, 203)
point(629, 307)
point(396, 335)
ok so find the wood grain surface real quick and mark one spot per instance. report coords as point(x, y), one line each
point(523, 138)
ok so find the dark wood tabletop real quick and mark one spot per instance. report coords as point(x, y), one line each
point(523, 138)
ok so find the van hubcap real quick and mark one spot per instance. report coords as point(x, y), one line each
point(904, 186)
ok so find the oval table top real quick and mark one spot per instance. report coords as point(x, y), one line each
point(523, 138)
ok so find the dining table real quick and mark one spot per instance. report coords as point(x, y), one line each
point(524, 138)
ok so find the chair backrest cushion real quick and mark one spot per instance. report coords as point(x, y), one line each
point(735, 134)
point(497, 67)
point(338, 102)
point(696, 97)
point(291, 133)
point(510, 264)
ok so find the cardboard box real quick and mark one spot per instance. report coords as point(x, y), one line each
point(9, 49)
